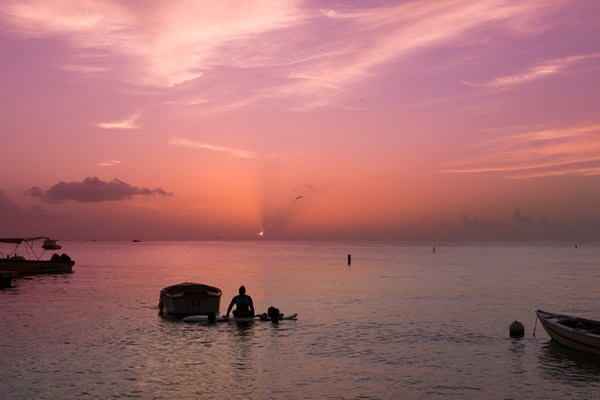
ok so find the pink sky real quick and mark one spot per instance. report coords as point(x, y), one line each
point(425, 120)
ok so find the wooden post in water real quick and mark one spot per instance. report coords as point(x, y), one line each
point(349, 259)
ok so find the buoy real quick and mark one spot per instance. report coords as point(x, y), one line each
point(349, 259)
point(516, 329)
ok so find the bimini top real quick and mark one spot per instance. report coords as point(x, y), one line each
point(21, 240)
point(48, 244)
point(181, 289)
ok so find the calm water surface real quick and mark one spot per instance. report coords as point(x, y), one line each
point(400, 322)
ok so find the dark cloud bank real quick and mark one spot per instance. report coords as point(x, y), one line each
point(92, 190)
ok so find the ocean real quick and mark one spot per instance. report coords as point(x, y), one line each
point(400, 322)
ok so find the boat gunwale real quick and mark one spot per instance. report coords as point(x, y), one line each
point(573, 338)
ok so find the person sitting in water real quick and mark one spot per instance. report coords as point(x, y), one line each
point(272, 314)
point(243, 305)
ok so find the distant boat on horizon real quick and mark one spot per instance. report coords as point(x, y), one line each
point(136, 241)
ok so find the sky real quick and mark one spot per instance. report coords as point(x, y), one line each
point(308, 120)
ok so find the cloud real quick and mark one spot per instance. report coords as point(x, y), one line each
point(475, 221)
point(536, 72)
point(109, 163)
point(528, 220)
point(572, 150)
point(164, 43)
point(364, 39)
point(13, 214)
point(130, 122)
point(92, 190)
point(523, 219)
point(7, 207)
point(86, 69)
point(194, 145)
point(175, 43)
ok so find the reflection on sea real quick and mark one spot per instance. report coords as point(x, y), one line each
point(517, 353)
point(561, 363)
point(400, 323)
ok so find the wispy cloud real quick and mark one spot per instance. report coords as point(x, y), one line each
point(564, 171)
point(17, 216)
point(536, 72)
point(368, 38)
point(528, 220)
point(83, 68)
point(109, 163)
point(475, 221)
point(130, 122)
point(165, 43)
point(168, 44)
point(551, 152)
point(195, 145)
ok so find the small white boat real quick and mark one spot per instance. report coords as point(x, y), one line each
point(573, 332)
point(51, 244)
point(189, 298)
point(13, 260)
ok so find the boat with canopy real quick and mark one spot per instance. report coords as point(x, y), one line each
point(13, 259)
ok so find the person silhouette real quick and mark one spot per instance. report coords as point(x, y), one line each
point(244, 307)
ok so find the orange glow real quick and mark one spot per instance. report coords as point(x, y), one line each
point(400, 125)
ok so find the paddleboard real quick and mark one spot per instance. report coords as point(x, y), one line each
point(204, 318)
point(263, 317)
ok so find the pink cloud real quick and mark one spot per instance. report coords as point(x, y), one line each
point(166, 44)
point(130, 122)
point(109, 163)
point(552, 152)
point(92, 190)
point(195, 145)
point(539, 71)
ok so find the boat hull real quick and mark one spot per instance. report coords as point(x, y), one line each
point(190, 299)
point(190, 305)
point(577, 336)
point(33, 267)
